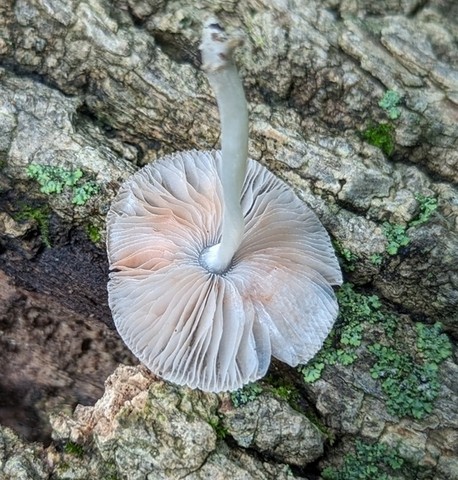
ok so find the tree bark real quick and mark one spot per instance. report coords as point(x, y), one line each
point(353, 104)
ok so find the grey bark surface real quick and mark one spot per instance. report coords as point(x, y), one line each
point(106, 87)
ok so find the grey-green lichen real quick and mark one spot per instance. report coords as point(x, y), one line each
point(409, 375)
point(368, 462)
point(390, 103)
point(396, 235)
point(56, 180)
point(410, 379)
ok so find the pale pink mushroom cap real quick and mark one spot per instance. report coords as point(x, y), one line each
point(217, 332)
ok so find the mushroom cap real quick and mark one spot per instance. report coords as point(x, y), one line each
point(217, 332)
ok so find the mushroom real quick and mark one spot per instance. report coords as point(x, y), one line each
point(216, 265)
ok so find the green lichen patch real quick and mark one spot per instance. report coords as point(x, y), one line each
point(410, 380)
point(348, 259)
point(390, 103)
point(56, 180)
point(433, 345)
point(396, 235)
point(368, 462)
point(341, 346)
point(427, 206)
point(380, 136)
point(376, 259)
point(409, 374)
point(246, 394)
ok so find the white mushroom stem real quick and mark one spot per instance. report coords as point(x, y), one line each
point(222, 74)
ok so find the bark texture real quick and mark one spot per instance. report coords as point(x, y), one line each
point(353, 103)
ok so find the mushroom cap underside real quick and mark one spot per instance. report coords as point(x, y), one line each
point(217, 332)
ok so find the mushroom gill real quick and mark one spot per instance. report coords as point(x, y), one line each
point(187, 313)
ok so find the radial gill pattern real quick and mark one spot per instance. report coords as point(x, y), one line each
point(217, 332)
